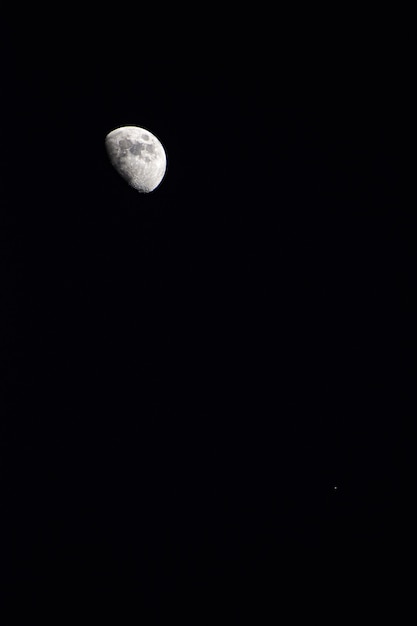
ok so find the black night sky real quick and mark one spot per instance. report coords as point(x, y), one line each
point(204, 391)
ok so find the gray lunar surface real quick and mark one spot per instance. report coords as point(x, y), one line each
point(138, 156)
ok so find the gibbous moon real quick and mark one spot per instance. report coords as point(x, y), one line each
point(138, 156)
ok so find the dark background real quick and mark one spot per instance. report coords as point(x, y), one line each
point(186, 376)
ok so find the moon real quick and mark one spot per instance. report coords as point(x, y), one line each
point(138, 156)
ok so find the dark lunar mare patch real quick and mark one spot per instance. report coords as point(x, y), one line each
point(125, 144)
point(137, 148)
point(150, 148)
